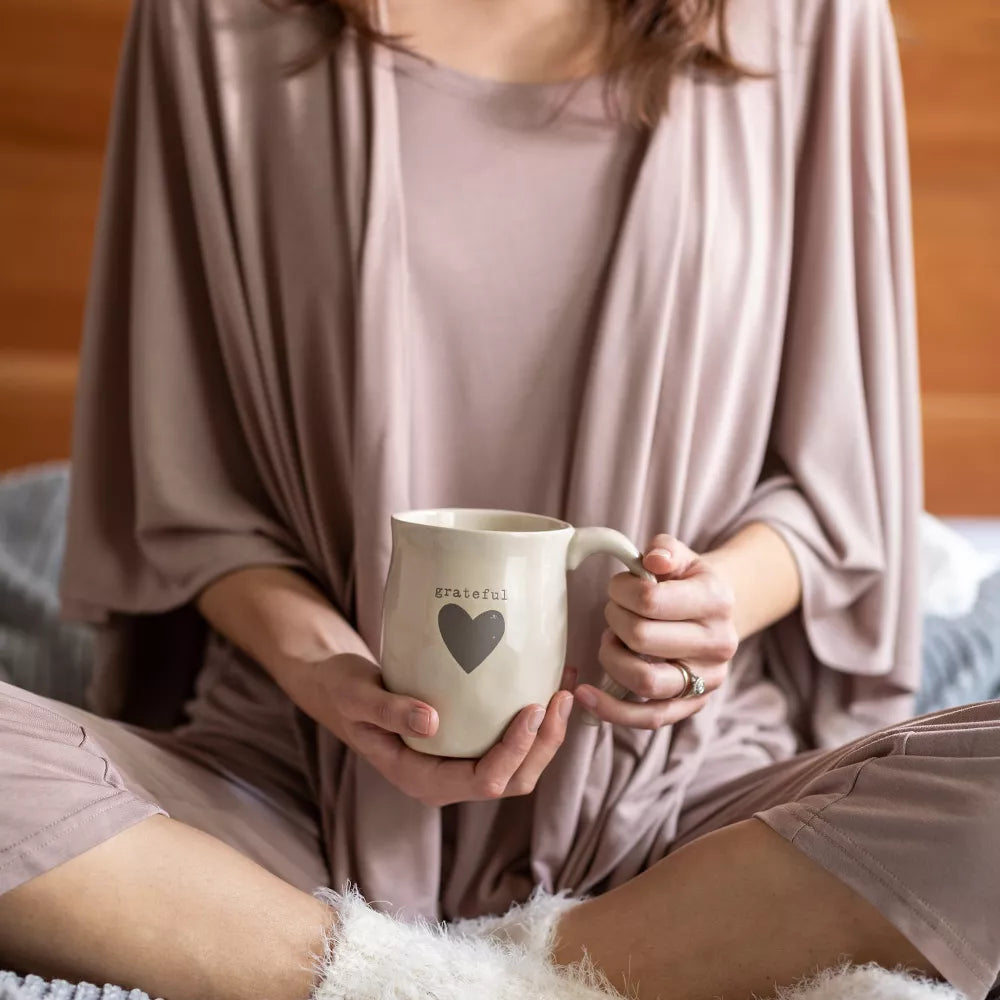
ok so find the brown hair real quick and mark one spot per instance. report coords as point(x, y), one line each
point(654, 40)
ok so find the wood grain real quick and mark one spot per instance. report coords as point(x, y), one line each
point(36, 406)
point(57, 68)
point(962, 439)
point(951, 66)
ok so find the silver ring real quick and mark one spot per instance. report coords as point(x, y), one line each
point(694, 686)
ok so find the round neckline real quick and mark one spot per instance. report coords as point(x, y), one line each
point(437, 74)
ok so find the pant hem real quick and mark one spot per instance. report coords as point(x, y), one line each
point(845, 859)
point(71, 836)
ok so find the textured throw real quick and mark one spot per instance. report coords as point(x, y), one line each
point(33, 988)
point(962, 655)
point(38, 651)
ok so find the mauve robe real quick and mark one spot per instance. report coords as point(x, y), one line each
point(247, 397)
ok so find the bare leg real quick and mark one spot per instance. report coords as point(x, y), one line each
point(171, 910)
point(735, 914)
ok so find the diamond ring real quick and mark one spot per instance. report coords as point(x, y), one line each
point(694, 686)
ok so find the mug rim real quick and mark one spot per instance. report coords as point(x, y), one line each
point(413, 517)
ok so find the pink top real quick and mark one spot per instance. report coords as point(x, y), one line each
point(322, 297)
point(509, 239)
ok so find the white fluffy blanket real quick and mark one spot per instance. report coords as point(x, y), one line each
point(375, 957)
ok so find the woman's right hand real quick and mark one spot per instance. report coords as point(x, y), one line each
point(345, 694)
point(280, 619)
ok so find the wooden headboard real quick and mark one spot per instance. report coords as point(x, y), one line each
point(57, 66)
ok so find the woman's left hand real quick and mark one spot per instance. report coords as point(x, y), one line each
point(686, 618)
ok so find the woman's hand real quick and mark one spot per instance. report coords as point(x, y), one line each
point(684, 618)
point(345, 694)
point(281, 620)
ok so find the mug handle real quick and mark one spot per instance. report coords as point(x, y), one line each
point(590, 542)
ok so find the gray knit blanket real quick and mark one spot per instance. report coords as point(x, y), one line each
point(40, 652)
point(34, 988)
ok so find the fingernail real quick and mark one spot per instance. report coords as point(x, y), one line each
point(535, 720)
point(662, 553)
point(420, 721)
point(586, 697)
point(565, 707)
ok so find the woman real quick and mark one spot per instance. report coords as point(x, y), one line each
point(642, 264)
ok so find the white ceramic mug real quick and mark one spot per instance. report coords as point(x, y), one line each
point(474, 621)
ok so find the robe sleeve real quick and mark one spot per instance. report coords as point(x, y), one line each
point(165, 493)
point(843, 477)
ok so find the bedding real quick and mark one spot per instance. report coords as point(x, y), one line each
point(955, 558)
point(38, 650)
point(34, 988)
point(962, 655)
point(981, 532)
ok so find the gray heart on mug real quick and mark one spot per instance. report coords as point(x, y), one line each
point(470, 640)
